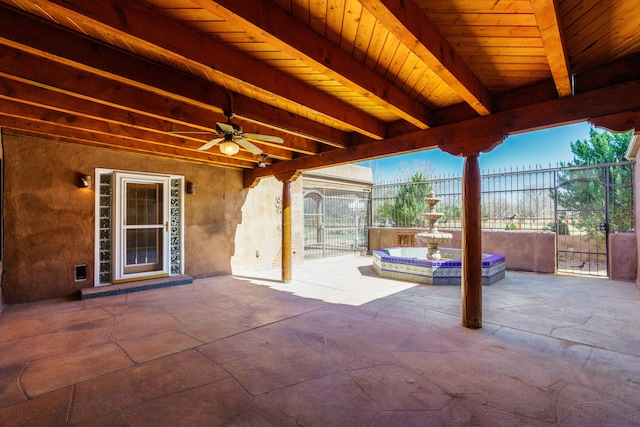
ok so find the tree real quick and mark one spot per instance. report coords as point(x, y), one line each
point(402, 172)
point(409, 202)
point(602, 147)
point(561, 224)
point(581, 191)
point(450, 211)
point(407, 170)
point(383, 214)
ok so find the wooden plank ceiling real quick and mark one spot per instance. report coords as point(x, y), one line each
point(338, 80)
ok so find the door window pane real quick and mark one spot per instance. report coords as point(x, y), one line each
point(144, 204)
point(143, 246)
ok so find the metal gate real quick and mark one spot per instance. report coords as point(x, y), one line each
point(335, 222)
point(591, 201)
point(581, 229)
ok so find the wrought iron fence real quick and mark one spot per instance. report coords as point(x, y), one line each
point(336, 221)
point(511, 199)
point(575, 202)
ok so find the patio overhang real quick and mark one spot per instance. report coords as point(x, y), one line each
point(304, 85)
point(338, 84)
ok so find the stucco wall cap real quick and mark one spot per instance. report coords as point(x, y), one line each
point(346, 173)
point(632, 150)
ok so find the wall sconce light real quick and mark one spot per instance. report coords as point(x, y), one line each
point(191, 188)
point(84, 181)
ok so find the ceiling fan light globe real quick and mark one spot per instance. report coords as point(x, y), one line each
point(229, 148)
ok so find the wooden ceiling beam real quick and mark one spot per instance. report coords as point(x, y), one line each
point(267, 21)
point(43, 73)
point(405, 20)
point(135, 138)
point(618, 123)
point(26, 101)
point(40, 72)
point(47, 130)
point(476, 134)
point(41, 97)
point(221, 162)
point(139, 25)
point(54, 43)
point(275, 118)
point(89, 88)
point(40, 38)
point(613, 73)
point(547, 15)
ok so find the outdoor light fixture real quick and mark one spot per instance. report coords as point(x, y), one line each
point(191, 188)
point(229, 148)
point(84, 181)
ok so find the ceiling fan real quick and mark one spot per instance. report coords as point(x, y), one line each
point(233, 137)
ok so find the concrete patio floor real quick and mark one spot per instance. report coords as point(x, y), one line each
point(337, 347)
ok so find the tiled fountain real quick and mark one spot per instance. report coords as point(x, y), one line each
point(429, 264)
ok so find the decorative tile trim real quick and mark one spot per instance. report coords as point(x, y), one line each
point(405, 264)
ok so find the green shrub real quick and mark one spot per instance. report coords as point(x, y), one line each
point(563, 229)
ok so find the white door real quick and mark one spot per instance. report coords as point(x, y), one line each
point(141, 226)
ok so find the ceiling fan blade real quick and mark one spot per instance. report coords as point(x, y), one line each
point(210, 144)
point(225, 127)
point(249, 146)
point(266, 138)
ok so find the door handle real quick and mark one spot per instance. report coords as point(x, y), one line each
point(166, 226)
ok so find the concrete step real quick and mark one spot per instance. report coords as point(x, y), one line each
point(142, 285)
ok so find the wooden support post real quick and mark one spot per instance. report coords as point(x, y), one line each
point(286, 232)
point(471, 245)
point(286, 178)
point(471, 224)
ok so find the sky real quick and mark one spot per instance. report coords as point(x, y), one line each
point(537, 149)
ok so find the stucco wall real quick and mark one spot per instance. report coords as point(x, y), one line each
point(49, 222)
point(524, 251)
point(259, 235)
point(345, 175)
point(1, 238)
point(623, 259)
point(636, 212)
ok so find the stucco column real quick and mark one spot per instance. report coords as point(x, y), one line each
point(286, 232)
point(471, 284)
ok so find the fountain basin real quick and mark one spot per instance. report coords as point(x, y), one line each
point(410, 265)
